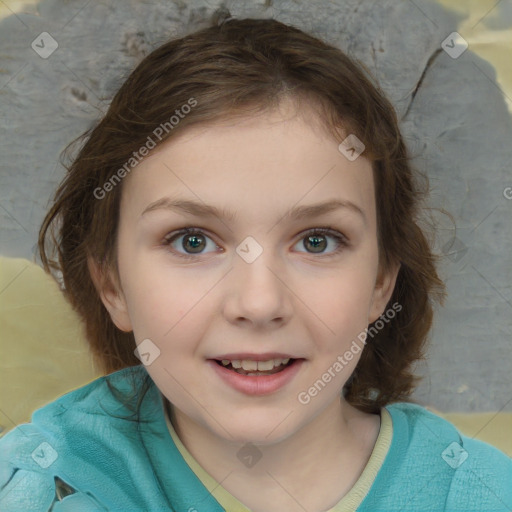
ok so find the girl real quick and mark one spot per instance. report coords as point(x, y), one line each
point(240, 235)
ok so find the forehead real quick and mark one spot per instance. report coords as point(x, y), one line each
point(253, 165)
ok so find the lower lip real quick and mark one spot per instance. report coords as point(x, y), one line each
point(257, 386)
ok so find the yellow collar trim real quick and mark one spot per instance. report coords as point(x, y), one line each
point(348, 503)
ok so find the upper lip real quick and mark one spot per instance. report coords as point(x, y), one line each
point(239, 356)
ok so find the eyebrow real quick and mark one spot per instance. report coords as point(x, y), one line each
point(205, 210)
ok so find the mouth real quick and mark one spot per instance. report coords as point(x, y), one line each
point(253, 368)
point(256, 374)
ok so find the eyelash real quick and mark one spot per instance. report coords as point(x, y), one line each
point(341, 240)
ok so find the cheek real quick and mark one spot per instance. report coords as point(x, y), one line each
point(340, 306)
point(150, 298)
point(342, 295)
point(163, 301)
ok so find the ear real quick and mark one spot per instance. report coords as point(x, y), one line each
point(384, 286)
point(108, 288)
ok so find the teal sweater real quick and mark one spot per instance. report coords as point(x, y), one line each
point(89, 445)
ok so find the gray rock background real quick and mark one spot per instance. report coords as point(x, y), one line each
point(453, 114)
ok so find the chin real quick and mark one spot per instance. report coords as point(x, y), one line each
point(266, 429)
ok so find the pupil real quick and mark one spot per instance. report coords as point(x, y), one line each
point(316, 242)
point(197, 243)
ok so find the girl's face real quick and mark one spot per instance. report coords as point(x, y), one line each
point(251, 282)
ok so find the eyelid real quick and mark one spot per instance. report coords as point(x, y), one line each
point(185, 231)
point(327, 230)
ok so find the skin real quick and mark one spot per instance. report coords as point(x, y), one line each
point(289, 300)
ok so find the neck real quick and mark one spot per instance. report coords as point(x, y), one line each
point(327, 455)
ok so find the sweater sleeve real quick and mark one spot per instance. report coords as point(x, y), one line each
point(482, 480)
point(24, 483)
point(30, 479)
point(84, 452)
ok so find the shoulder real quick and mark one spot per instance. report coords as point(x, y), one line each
point(74, 431)
point(466, 473)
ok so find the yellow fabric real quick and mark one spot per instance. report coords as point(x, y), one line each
point(356, 495)
point(491, 427)
point(348, 503)
point(44, 353)
point(225, 499)
point(492, 44)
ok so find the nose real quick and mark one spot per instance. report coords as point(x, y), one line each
point(258, 294)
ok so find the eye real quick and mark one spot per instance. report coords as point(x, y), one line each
point(193, 242)
point(316, 240)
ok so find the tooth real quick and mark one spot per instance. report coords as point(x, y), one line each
point(249, 365)
point(266, 365)
point(236, 363)
point(285, 361)
point(225, 362)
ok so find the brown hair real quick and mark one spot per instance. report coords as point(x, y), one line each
point(237, 68)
